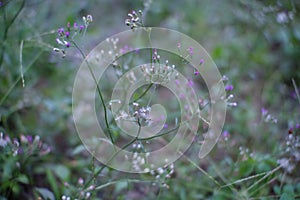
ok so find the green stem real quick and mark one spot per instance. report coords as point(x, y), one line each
point(114, 155)
point(296, 90)
point(98, 90)
point(19, 78)
point(159, 135)
point(7, 25)
point(126, 180)
point(144, 93)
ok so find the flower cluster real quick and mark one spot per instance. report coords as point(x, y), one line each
point(159, 73)
point(83, 193)
point(65, 36)
point(138, 160)
point(225, 135)
point(267, 117)
point(291, 154)
point(25, 145)
point(134, 20)
point(229, 88)
point(245, 153)
point(162, 174)
point(142, 114)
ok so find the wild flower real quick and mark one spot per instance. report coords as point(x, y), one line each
point(191, 51)
point(163, 174)
point(135, 19)
point(159, 73)
point(142, 114)
point(24, 145)
point(201, 61)
point(267, 117)
point(66, 36)
point(225, 135)
point(82, 192)
point(245, 153)
point(291, 150)
point(230, 96)
point(229, 87)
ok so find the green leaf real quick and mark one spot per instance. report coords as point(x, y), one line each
point(286, 196)
point(120, 186)
point(246, 167)
point(46, 194)
point(61, 172)
point(52, 181)
point(23, 179)
point(288, 189)
point(78, 150)
point(277, 189)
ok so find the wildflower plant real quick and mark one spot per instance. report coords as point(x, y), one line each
point(18, 158)
point(160, 104)
point(291, 150)
point(66, 35)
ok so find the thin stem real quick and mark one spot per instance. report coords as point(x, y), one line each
point(19, 78)
point(115, 154)
point(126, 180)
point(6, 28)
point(21, 64)
point(98, 90)
point(202, 170)
point(144, 93)
point(264, 177)
point(159, 135)
point(244, 179)
point(296, 90)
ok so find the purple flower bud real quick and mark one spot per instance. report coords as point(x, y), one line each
point(20, 150)
point(75, 25)
point(190, 83)
point(225, 134)
point(191, 50)
point(67, 34)
point(68, 25)
point(178, 45)
point(68, 44)
point(81, 27)
point(201, 61)
point(29, 138)
point(297, 126)
point(60, 31)
point(229, 87)
point(196, 72)
point(264, 111)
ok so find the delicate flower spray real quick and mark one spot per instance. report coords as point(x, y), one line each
point(65, 36)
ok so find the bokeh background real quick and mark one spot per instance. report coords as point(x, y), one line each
point(254, 43)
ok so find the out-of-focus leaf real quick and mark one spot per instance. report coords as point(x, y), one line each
point(52, 182)
point(23, 179)
point(62, 172)
point(286, 196)
point(246, 167)
point(120, 186)
point(78, 150)
point(46, 194)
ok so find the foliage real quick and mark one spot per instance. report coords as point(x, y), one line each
point(254, 43)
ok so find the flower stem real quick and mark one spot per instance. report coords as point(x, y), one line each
point(98, 90)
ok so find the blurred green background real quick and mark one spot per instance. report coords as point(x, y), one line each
point(254, 43)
